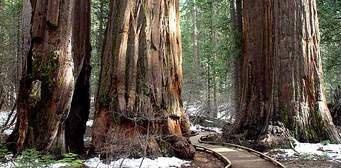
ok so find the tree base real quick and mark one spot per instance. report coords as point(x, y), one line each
point(275, 136)
point(179, 146)
point(132, 141)
point(152, 148)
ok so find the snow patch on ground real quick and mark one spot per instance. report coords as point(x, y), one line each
point(309, 151)
point(3, 117)
point(87, 139)
point(59, 165)
point(161, 162)
point(8, 131)
point(89, 123)
point(224, 112)
point(199, 128)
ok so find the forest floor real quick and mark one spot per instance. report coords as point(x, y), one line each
point(310, 155)
point(200, 160)
point(306, 160)
point(310, 164)
point(305, 155)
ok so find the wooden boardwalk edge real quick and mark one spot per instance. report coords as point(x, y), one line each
point(220, 155)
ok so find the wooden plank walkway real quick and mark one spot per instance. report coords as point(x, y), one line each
point(239, 158)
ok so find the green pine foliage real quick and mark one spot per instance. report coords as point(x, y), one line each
point(329, 12)
point(31, 158)
point(208, 22)
point(72, 160)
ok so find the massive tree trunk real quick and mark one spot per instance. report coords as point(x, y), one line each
point(48, 78)
point(282, 74)
point(75, 124)
point(138, 102)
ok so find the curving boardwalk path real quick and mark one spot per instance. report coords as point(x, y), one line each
point(239, 158)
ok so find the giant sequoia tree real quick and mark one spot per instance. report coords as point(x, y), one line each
point(138, 102)
point(50, 72)
point(282, 74)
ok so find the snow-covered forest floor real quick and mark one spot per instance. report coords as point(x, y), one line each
point(312, 155)
point(303, 155)
point(162, 162)
point(322, 150)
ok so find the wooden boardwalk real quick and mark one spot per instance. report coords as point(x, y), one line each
point(240, 158)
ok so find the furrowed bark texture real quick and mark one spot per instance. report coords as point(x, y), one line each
point(49, 75)
point(282, 72)
point(75, 125)
point(140, 83)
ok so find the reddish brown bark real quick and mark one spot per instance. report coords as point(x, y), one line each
point(282, 73)
point(49, 74)
point(140, 83)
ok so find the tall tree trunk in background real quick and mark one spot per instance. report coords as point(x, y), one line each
point(2, 91)
point(214, 111)
point(236, 20)
point(101, 25)
point(75, 125)
point(195, 47)
point(210, 61)
point(139, 96)
point(23, 103)
point(209, 86)
point(196, 69)
point(282, 74)
point(48, 78)
point(18, 54)
point(25, 35)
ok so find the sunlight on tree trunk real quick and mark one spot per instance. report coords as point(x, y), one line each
point(75, 124)
point(140, 82)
